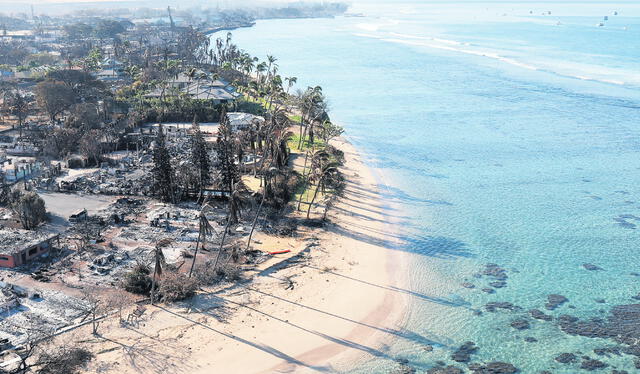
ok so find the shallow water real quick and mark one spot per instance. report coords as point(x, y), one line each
point(507, 137)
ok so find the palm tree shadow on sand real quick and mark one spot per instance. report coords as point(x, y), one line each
point(262, 347)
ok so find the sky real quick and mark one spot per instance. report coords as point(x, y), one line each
point(64, 6)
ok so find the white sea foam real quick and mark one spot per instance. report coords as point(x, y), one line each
point(376, 26)
point(437, 43)
point(570, 70)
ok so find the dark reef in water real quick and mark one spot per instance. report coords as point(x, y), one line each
point(622, 220)
point(590, 364)
point(520, 324)
point(607, 351)
point(493, 368)
point(468, 285)
point(538, 314)
point(495, 271)
point(463, 354)
point(591, 267)
point(554, 301)
point(622, 326)
point(494, 306)
point(566, 358)
point(498, 284)
point(445, 370)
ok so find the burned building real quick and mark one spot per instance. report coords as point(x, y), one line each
point(18, 247)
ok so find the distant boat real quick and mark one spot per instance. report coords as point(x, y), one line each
point(606, 18)
point(615, 13)
point(601, 24)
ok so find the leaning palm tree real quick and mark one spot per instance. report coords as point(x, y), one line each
point(205, 229)
point(160, 262)
point(255, 219)
point(315, 156)
point(325, 171)
point(234, 203)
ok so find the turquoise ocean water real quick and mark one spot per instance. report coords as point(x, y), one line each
point(505, 136)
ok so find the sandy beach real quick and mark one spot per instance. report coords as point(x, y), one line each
point(334, 301)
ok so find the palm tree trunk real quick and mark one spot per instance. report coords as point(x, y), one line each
point(224, 236)
point(303, 138)
point(313, 199)
point(301, 125)
point(195, 254)
point(255, 161)
point(153, 284)
point(255, 220)
point(304, 177)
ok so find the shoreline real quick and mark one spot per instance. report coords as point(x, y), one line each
point(388, 317)
point(345, 305)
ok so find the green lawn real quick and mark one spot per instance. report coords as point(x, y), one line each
point(294, 141)
point(307, 194)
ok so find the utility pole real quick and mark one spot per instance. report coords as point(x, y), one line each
point(173, 26)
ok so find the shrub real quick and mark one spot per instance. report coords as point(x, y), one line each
point(230, 272)
point(282, 189)
point(138, 280)
point(68, 361)
point(30, 209)
point(206, 275)
point(76, 163)
point(176, 287)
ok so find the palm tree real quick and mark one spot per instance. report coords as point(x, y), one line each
point(226, 228)
point(271, 61)
point(260, 69)
point(315, 156)
point(159, 264)
point(253, 88)
point(246, 63)
point(275, 90)
point(20, 108)
point(235, 203)
point(192, 74)
point(324, 170)
point(205, 229)
point(314, 108)
point(290, 82)
point(255, 219)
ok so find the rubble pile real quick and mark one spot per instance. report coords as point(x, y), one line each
point(123, 210)
point(110, 262)
point(39, 310)
point(110, 181)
